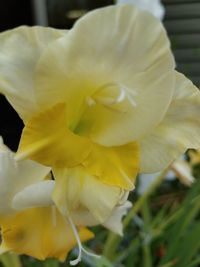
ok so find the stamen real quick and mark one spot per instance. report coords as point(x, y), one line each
point(111, 94)
point(80, 247)
point(109, 99)
point(121, 96)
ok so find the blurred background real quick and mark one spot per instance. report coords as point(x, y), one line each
point(164, 228)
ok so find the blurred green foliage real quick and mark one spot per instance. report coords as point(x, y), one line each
point(162, 230)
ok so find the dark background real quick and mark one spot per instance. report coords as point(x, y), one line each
point(12, 14)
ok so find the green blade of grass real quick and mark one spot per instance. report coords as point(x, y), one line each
point(189, 246)
point(179, 230)
point(147, 257)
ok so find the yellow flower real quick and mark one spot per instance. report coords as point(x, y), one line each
point(29, 220)
point(100, 103)
point(30, 223)
point(178, 131)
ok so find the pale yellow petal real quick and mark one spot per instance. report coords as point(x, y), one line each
point(75, 188)
point(14, 176)
point(114, 222)
point(179, 130)
point(83, 217)
point(41, 233)
point(115, 166)
point(126, 53)
point(47, 139)
point(35, 195)
point(110, 127)
point(183, 172)
point(20, 50)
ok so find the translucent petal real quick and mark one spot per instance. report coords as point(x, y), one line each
point(20, 50)
point(178, 131)
point(114, 222)
point(14, 176)
point(35, 195)
point(183, 172)
point(75, 188)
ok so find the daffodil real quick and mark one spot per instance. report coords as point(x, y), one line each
point(100, 103)
point(30, 223)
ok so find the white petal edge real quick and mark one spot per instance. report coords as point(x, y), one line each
point(20, 49)
point(177, 132)
point(183, 172)
point(114, 222)
point(14, 176)
point(35, 195)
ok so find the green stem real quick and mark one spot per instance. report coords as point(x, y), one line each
point(147, 256)
point(113, 240)
point(146, 246)
point(9, 260)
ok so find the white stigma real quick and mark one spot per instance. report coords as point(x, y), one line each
point(111, 94)
point(121, 96)
point(81, 249)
